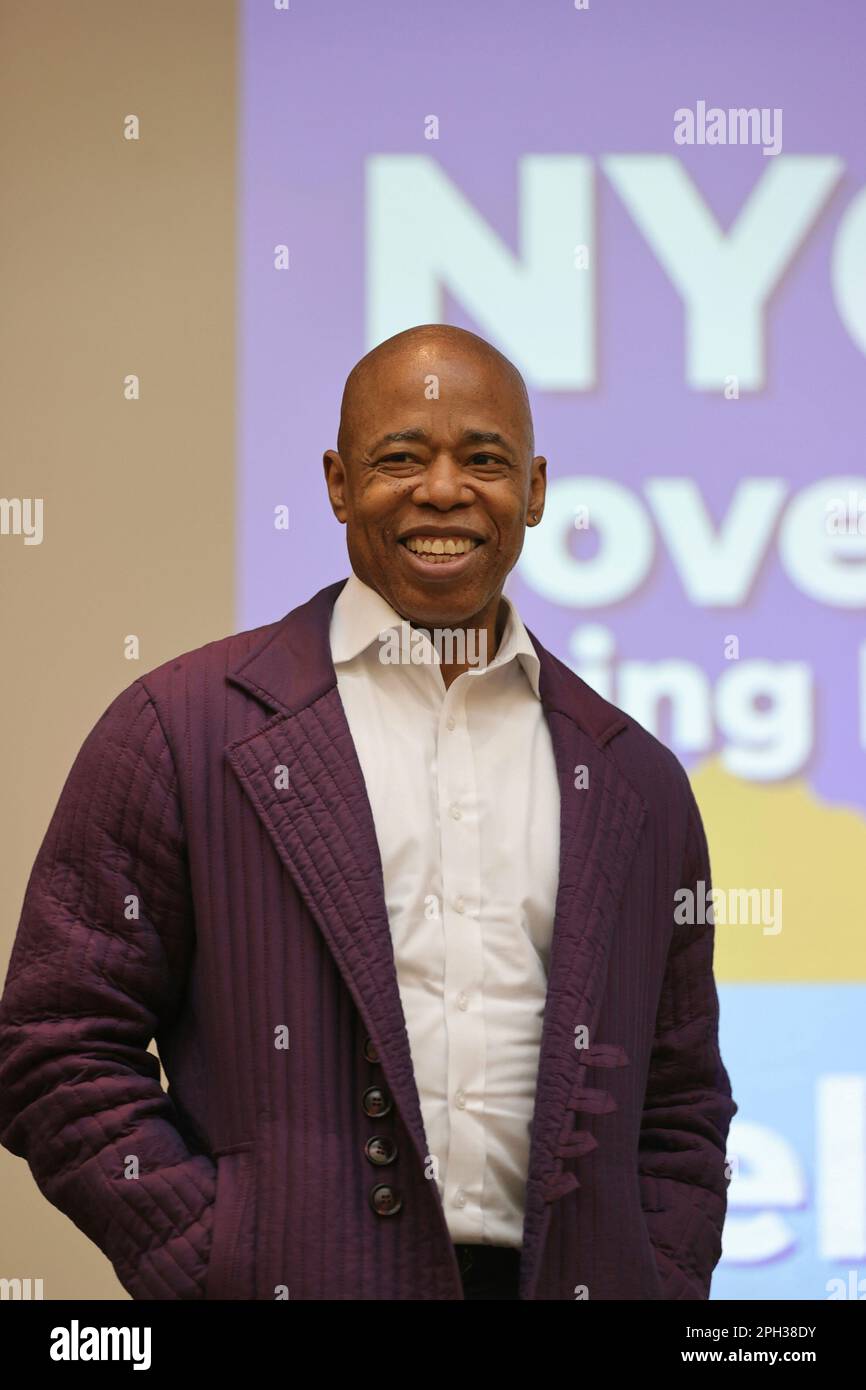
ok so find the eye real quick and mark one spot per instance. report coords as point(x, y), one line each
point(487, 461)
point(400, 462)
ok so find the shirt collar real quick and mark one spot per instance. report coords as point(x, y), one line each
point(360, 614)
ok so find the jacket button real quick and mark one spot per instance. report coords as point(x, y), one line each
point(370, 1051)
point(380, 1150)
point(376, 1102)
point(384, 1200)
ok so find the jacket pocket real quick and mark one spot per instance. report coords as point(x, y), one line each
point(231, 1269)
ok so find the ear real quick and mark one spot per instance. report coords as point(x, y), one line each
point(335, 478)
point(537, 490)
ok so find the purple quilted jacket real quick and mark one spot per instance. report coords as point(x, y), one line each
point(183, 892)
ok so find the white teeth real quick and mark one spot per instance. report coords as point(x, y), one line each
point(434, 545)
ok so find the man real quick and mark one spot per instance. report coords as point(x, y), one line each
point(394, 891)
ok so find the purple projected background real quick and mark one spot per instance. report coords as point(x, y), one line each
point(326, 86)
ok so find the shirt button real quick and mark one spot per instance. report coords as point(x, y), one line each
point(461, 1100)
point(462, 1000)
point(460, 1198)
point(450, 722)
point(455, 811)
point(459, 905)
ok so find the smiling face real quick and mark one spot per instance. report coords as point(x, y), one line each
point(436, 493)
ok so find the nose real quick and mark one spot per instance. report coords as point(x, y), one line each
point(442, 485)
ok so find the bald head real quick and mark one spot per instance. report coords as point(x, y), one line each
point(435, 449)
point(424, 348)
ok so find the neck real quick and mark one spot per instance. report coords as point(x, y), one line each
point(470, 644)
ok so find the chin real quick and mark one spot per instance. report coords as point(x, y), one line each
point(438, 609)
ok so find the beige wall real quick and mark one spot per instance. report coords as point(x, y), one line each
point(118, 258)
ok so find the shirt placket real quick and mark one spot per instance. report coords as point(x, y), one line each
point(459, 819)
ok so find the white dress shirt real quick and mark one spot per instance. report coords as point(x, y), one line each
point(463, 788)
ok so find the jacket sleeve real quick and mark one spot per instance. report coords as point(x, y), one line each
point(98, 964)
point(688, 1105)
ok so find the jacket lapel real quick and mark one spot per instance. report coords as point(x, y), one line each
point(322, 827)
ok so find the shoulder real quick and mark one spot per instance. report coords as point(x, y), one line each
point(212, 661)
point(185, 681)
point(651, 765)
point(652, 768)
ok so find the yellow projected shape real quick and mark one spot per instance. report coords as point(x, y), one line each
point(769, 836)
